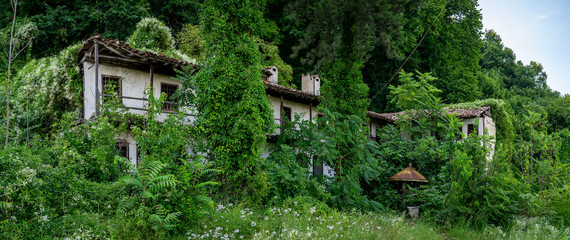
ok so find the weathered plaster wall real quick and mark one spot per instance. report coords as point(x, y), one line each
point(301, 109)
point(486, 126)
point(134, 84)
point(373, 128)
point(128, 136)
point(491, 130)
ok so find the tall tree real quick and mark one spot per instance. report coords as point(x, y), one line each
point(316, 25)
point(451, 51)
point(16, 45)
point(62, 23)
point(518, 83)
point(233, 112)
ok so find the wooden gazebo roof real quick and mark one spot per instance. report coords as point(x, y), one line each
point(409, 174)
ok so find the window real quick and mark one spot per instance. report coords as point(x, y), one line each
point(287, 113)
point(470, 129)
point(112, 86)
point(169, 90)
point(122, 148)
point(317, 168)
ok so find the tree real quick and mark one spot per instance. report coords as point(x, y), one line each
point(451, 51)
point(16, 46)
point(233, 113)
point(62, 23)
point(319, 28)
point(559, 113)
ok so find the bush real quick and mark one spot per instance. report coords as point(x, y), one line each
point(288, 178)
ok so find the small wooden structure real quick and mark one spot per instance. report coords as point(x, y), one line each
point(408, 176)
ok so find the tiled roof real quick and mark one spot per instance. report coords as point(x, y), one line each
point(388, 117)
point(461, 113)
point(289, 92)
point(123, 51)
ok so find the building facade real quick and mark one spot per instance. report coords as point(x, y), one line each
point(112, 67)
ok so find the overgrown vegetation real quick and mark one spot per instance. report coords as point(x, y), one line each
point(208, 179)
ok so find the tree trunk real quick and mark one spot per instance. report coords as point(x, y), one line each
point(10, 51)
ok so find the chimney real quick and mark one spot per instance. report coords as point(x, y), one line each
point(271, 74)
point(311, 84)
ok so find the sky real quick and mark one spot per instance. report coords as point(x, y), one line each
point(536, 30)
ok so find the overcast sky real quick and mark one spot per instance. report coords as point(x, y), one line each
point(536, 30)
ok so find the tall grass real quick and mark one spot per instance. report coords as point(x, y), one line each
point(295, 219)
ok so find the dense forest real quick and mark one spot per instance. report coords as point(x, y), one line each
point(63, 178)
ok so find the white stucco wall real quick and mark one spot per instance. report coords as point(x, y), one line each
point(296, 108)
point(491, 130)
point(486, 126)
point(304, 111)
point(128, 136)
point(373, 128)
point(134, 83)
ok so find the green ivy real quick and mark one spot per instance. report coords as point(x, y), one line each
point(153, 36)
point(233, 113)
point(502, 116)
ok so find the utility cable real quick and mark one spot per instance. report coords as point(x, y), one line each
point(412, 53)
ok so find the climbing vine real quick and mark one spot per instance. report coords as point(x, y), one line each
point(233, 113)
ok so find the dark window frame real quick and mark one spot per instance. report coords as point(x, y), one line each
point(318, 168)
point(104, 81)
point(287, 113)
point(470, 128)
point(169, 104)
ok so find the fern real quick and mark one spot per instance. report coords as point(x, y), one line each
point(148, 184)
point(5, 205)
point(162, 220)
point(207, 184)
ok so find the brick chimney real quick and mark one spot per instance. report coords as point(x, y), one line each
point(311, 84)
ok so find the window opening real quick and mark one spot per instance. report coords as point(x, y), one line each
point(470, 129)
point(287, 113)
point(169, 90)
point(112, 86)
point(122, 147)
point(317, 168)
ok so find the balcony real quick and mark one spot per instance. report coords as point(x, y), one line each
point(139, 106)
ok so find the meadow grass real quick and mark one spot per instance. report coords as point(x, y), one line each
point(296, 220)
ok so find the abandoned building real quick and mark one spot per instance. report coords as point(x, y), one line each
point(130, 72)
point(478, 121)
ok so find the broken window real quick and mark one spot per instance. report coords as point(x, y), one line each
point(287, 113)
point(112, 86)
point(470, 129)
point(122, 147)
point(169, 90)
point(317, 167)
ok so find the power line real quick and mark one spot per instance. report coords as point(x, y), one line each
point(412, 53)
